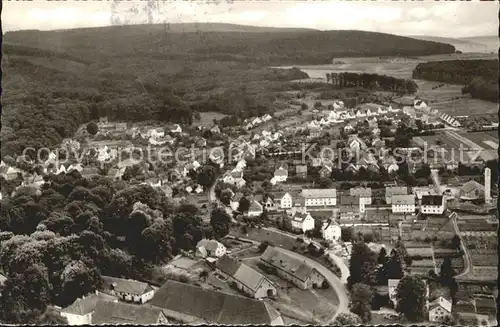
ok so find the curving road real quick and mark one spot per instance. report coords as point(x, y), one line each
point(467, 259)
point(330, 277)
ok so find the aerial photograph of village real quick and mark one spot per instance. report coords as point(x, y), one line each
point(265, 163)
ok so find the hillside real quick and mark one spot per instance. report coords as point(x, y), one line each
point(481, 44)
point(57, 80)
point(206, 41)
point(480, 77)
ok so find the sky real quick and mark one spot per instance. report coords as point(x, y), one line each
point(430, 18)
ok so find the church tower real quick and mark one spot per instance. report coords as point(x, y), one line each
point(487, 185)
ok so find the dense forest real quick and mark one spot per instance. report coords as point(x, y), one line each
point(59, 243)
point(372, 81)
point(56, 80)
point(277, 47)
point(480, 77)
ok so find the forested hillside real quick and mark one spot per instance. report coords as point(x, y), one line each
point(480, 77)
point(57, 80)
point(277, 48)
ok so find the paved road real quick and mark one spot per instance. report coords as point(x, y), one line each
point(338, 260)
point(467, 259)
point(330, 277)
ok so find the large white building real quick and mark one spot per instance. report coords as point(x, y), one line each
point(403, 203)
point(433, 204)
point(319, 197)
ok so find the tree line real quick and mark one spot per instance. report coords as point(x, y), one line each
point(480, 77)
point(372, 81)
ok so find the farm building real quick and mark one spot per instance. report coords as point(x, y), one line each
point(292, 269)
point(248, 280)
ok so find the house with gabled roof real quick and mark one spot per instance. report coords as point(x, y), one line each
point(191, 304)
point(128, 290)
point(403, 203)
point(439, 309)
point(255, 209)
point(302, 221)
point(247, 280)
point(364, 193)
point(281, 174)
point(285, 199)
point(433, 204)
point(472, 190)
point(117, 313)
point(80, 312)
point(292, 269)
point(210, 248)
point(391, 191)
point(331, 230)
point(319, 197)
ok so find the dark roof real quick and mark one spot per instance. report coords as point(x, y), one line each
point(432, 200)
point(107, 312)
point(125, 285)
point(241, 272)
point(228, 265)
point(349, 200)
point(284, 262)
point(87, 304)
point(212, 306)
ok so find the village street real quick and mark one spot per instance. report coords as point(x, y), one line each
point(334, 281)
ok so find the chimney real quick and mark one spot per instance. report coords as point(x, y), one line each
point(487, 185)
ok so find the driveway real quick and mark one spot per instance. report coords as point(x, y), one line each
point(334, 281)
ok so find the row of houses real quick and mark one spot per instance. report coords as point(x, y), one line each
point(253, 122)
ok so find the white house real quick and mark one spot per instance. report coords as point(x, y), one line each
point(80, 312)
point(303, 221)
point(266, 117)
point(319, 197)
point(128, 290)
point(439, 309)
point(251, 282)
point(256, 121)
point(281, 174)
point(331, 230)
point(285, 200)
point(433, 204)
point(403, 203)
point(255, 209)
point(176, 129)
point(210, 248)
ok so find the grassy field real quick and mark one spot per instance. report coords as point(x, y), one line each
point(262, 235)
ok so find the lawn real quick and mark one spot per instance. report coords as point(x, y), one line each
point(261, 235)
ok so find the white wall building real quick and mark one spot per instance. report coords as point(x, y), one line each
point(303, 221)
point(319, 197)
point(403, 203)
point(331, 231)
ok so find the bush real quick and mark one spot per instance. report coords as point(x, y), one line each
point(304, 106)
point(300, 239)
